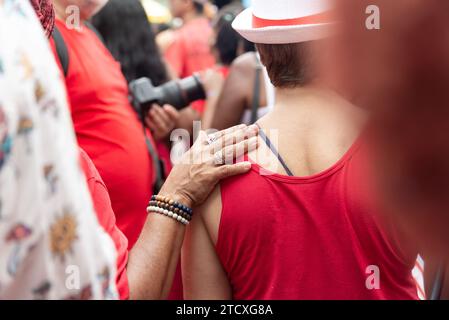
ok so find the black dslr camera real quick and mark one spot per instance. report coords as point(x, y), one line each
point(178, 93)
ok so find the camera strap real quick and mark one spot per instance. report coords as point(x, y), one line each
point(61, 50)
point(256, 91)
point(157, 164)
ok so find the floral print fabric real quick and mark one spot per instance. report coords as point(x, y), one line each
point(51, 245)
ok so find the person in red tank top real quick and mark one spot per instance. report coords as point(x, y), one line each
point(304, 223)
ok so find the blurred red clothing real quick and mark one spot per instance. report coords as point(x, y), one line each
point(191, 52)
point(224, 70)
point(107, 127)
point(106, 218)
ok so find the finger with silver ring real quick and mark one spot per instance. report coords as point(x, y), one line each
point(211, 139)
point(219, 158)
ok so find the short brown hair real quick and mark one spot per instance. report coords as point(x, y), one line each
point(288, 65)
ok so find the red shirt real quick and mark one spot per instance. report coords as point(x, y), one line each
point(106, 218)
point(107, 128)
point(191, 52)
point(310, 238)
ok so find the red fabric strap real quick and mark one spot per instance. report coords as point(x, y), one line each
point(313, 19)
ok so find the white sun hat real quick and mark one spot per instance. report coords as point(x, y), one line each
point(285, 21)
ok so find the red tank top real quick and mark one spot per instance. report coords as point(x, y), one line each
point(291, 238)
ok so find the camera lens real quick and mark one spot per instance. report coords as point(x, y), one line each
point(178, 93)
point(192, 89)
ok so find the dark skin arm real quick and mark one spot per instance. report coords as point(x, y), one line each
point(237, 92)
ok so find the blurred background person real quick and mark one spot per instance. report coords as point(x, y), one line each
point(190, 50)
point(106, 126)
point(227, 45)
point(127, 33)
point(246, 95)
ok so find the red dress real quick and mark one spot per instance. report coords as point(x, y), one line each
point(283, 237)
point(107, 128)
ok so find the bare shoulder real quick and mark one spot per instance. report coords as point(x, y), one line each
point(210, 213)
point(245, 63)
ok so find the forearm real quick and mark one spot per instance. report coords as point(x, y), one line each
point(152, 261)
point(154, 258)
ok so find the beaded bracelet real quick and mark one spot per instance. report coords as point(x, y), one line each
point(170, 208)
point(168, 213)
point(170, 202)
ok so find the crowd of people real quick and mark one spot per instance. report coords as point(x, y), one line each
point(277, 149)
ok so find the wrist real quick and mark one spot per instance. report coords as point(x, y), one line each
point(176, 196)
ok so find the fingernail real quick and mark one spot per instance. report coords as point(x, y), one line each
point(253, 141)
point(253, 127)
point(246, 164)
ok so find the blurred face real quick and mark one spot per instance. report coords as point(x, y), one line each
point(179, 7)
point(87, 8)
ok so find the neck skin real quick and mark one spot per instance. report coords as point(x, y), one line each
point(190, 15)
point(59, 10)
point(311, 98)
point(312, 128)
point(317, 110)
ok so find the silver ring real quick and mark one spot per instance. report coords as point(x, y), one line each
point(211, 139)
point(218, 158)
